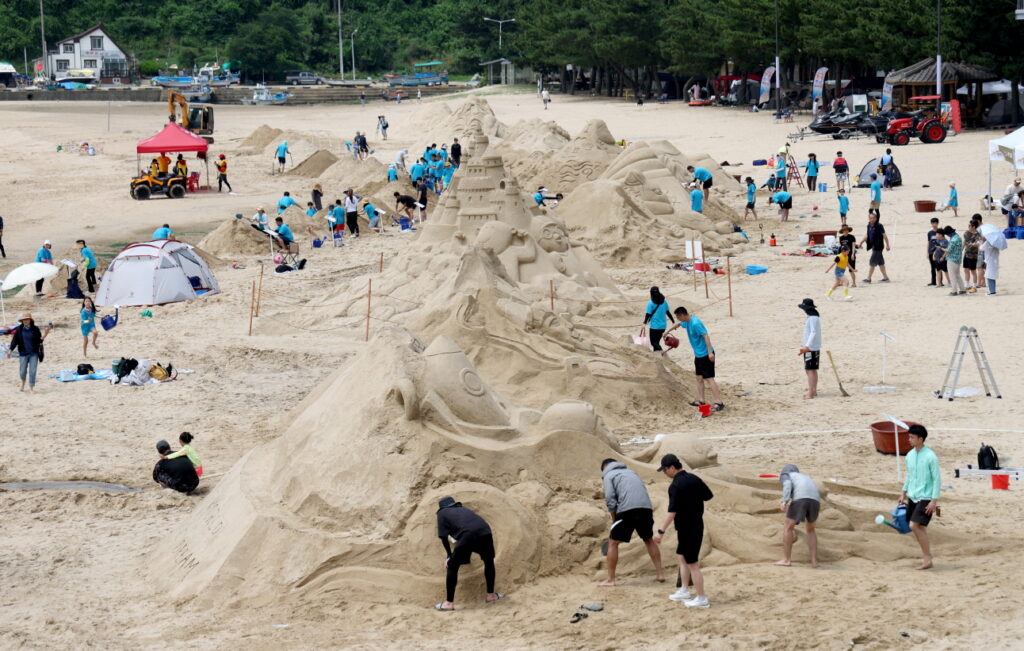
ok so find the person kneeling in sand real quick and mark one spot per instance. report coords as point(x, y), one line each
point(472, 535)
point(177, 474)
point(800, 502)
point(631, 510)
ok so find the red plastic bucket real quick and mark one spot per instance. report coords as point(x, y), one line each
point(705, 411)
point(924, 206)
point(1001, 482)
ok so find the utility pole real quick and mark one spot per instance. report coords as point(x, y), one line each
point(938, 55)
point(352, 41)
point(778, 69)
point(501, 24)
point(341, 49)
point(42, 38)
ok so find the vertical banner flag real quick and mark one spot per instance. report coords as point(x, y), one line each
point(819, 83)
point(766, 85)
point(886, 96)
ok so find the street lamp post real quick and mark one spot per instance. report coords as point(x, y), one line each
point(501, 24)
point(42, 37)
point(352, 41)
point(778, 70)
point(938, 54)
point(341, 49)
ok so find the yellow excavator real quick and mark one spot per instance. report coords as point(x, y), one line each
point(197, 118)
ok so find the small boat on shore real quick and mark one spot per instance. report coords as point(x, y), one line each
point(261, 96)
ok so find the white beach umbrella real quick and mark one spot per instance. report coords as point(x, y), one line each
point(29, 273)
point(990, 232)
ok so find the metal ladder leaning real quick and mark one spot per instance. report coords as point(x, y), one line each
point(967, 336)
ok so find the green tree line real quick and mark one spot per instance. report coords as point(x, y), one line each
point(625, 39)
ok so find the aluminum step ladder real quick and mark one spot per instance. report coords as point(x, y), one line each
point(967, 337)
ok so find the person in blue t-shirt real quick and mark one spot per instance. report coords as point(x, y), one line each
point(844, 206)
point(780, 173)
point(284, 234)
point(417, 171)
point(282, 155)
point(703, 356)
point(392, 172)
point(447, 172)
point(89, 264)
point(656, 316)
point(697, 200)
point(285, 202)
point(702, 177)
point(751, 198)
point(163, 233)
point(785, 201)
point(45, 256)
point(812, 172)
point(953, 201)
point(310, 209)
point(376, 223)
point(876, 195)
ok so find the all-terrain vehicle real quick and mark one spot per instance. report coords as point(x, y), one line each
point(146, 185)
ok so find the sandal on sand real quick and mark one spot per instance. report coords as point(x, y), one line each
point(717, 406)
point(577, 617)
point(499, 596)
point(695, 403)
point(443, 610)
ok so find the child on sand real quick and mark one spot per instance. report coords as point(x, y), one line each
point(939, 244)
point(841, 264)
point(751, 198)
point(953, 201)
point(842, 169)
point(847, 239)
point(310, 210)
point(696, 198)
point(188, 451)
point(844, 205)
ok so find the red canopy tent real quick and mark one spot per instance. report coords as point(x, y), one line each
point(174, 138)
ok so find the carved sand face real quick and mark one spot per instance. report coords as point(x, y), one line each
point(553, 238)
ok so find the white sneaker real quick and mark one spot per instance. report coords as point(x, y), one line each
point(697, 602)
point(682, 594)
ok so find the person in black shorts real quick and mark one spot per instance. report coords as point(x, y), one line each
point(406, 203)
point(686, 496)
point(630, 508)
point(177, 474)
point(472, 535)
point(921, 490)
point(876, 240)
point(847, 239)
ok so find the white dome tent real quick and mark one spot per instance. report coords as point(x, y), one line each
point(155, 273)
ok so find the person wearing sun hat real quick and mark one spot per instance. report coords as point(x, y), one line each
point(28, 340)
point(811, 347)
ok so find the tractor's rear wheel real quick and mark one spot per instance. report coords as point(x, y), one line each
point(141, 192)
point(177, 191)
point(901, 139)
point(933, 133)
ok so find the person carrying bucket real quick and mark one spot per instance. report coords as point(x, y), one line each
point(88, 324)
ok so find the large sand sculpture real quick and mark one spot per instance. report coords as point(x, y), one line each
point(343, 502)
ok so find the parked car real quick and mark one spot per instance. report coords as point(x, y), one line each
point(297, 77)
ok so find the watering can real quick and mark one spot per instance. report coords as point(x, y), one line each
point(899, 519)
point(108, 321)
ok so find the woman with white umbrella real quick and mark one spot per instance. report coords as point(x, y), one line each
point(28, 340)
point(993, 243)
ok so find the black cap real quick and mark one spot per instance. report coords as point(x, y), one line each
point(807, 304)
point(669, 460)
point(162, 446)
point(445, 502)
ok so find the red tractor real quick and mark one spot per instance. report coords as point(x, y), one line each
point(925, 124)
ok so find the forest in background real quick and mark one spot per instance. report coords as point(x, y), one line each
point(629, 38)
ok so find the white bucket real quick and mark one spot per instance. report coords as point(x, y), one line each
point(804, 239)
point(830, 241)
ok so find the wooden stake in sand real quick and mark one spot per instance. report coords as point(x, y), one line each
point(704, 270)
point(252, 306)
point(381, 260)
point(728, 277)
point(369, 295)
point(259, 292)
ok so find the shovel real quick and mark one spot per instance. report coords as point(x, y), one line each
point(833, 363)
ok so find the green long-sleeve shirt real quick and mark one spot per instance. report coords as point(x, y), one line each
point(923, 480)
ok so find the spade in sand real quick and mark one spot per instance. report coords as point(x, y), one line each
point(834, 370)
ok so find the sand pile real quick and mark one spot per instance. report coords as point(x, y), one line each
point(315, 165)
point(235, 237)
point(535, 135)
point(581, 159)
point(639, 208)
point(347, 505)
point(261, 137)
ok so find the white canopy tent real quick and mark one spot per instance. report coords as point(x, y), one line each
point(155, 273)
point(1010, 149)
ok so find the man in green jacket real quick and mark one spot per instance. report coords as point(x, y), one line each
point(921, 490)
